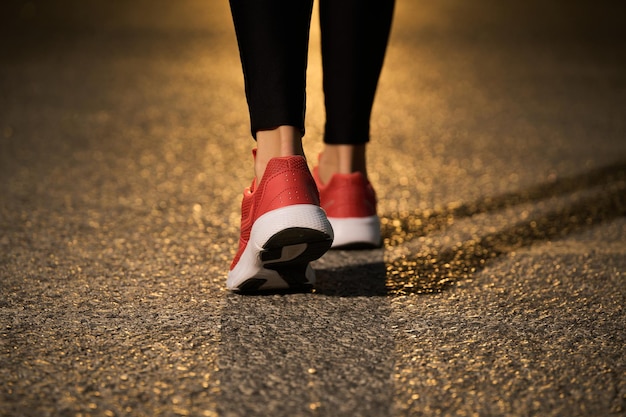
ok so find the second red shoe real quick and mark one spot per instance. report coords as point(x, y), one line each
point(350, 204)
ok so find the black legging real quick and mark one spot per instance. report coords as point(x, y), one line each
point(273, 37)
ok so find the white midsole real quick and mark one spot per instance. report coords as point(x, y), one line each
point(307, 216)
point(355, 230)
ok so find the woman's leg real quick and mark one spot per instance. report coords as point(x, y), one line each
point(283, 227)
point(354, 41)
point(273, 38)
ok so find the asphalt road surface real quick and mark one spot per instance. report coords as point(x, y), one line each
point(499, 157)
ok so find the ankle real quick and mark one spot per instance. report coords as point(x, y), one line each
point(342, 159)
point(281, 141)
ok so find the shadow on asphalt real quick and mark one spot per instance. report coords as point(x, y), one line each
point(435, 269)
point(353, 281)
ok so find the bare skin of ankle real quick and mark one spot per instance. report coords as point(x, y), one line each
point(342, 159)
point(281, 141)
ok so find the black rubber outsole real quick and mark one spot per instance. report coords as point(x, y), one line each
point(358, 246)
point(292, 271)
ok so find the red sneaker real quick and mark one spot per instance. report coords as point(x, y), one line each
point(350, 204)
point(283, 228)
